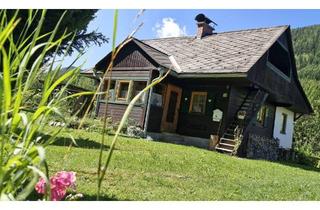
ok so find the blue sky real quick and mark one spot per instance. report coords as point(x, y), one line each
point(163, 23)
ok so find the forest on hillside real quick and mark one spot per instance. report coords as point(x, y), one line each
point(306, 43)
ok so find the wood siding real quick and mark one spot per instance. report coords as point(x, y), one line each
point(267, 129)
point(133, 58)
point(282, 91)
point(155, 117)
point(201, 125)
point(237, 95)
point(130, 56)
point(116, 111)
point(130, 64)
point(130, 74)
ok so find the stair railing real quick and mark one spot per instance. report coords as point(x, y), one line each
point(257, 102)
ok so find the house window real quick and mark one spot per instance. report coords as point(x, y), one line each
point(279, 57)
point(138, 86)
point(262, 115)
point(284, 123)
point(198, 102)
point(111, 94)
point(123, 90)
point(158, 95)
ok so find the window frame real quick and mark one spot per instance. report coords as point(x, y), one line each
point(201, 93)
point(143, 99)
point(118, 86)
point(263, 122)
point(284, 123)
point(163, 93)
point(104, 88)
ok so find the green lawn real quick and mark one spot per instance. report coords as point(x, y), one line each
point(147, 170)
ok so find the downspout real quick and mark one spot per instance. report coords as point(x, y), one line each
point(146, 120)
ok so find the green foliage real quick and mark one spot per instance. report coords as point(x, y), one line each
point(307, 47)
point(307, 128)
point(22, 120)
point(85, 83)
point(75, 21)
point(89, 124)
point(311, 72)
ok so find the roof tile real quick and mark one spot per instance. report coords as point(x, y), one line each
point(223, 52)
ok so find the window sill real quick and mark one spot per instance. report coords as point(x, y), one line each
point(120, 102)
point(196, 113)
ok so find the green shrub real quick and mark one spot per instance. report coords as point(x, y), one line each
point(307, 128)
point(306, 157)
point(128, 122)
point(89, 124)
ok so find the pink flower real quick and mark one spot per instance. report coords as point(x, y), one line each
point(40, 186)
point(59, 184)
point(66, 178)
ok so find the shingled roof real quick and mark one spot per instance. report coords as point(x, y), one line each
point(227, 52)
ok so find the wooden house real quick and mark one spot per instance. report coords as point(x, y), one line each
point(220, 83)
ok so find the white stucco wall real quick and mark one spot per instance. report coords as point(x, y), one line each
point(285, 139)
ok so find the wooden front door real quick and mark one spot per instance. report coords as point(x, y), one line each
point(171, 109)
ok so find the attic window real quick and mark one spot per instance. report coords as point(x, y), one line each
point(279, 58)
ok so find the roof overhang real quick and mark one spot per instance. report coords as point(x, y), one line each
point(208, 75)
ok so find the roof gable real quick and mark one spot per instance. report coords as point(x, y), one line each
point(131, 55)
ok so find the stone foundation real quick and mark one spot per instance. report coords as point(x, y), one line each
point(135, 131)
point(260, 147)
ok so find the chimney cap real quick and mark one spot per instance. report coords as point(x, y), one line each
point(202, 18)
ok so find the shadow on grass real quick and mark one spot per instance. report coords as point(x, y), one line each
point(34, 196)
point(102, 198)
point(299, 165)
point(81, 142)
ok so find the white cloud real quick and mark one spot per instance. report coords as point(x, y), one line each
point(169, 28)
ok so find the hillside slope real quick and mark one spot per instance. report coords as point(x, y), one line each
point(148, 170)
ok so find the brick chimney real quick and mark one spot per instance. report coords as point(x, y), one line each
point(204, 27)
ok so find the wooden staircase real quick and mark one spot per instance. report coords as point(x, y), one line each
point(251, 104)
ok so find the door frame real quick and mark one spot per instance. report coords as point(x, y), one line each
point(171, 126)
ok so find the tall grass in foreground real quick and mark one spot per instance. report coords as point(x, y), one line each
point(22, 121)
point(22, 151)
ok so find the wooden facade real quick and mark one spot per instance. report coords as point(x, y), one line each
point(130, 65)
point(168, 107)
